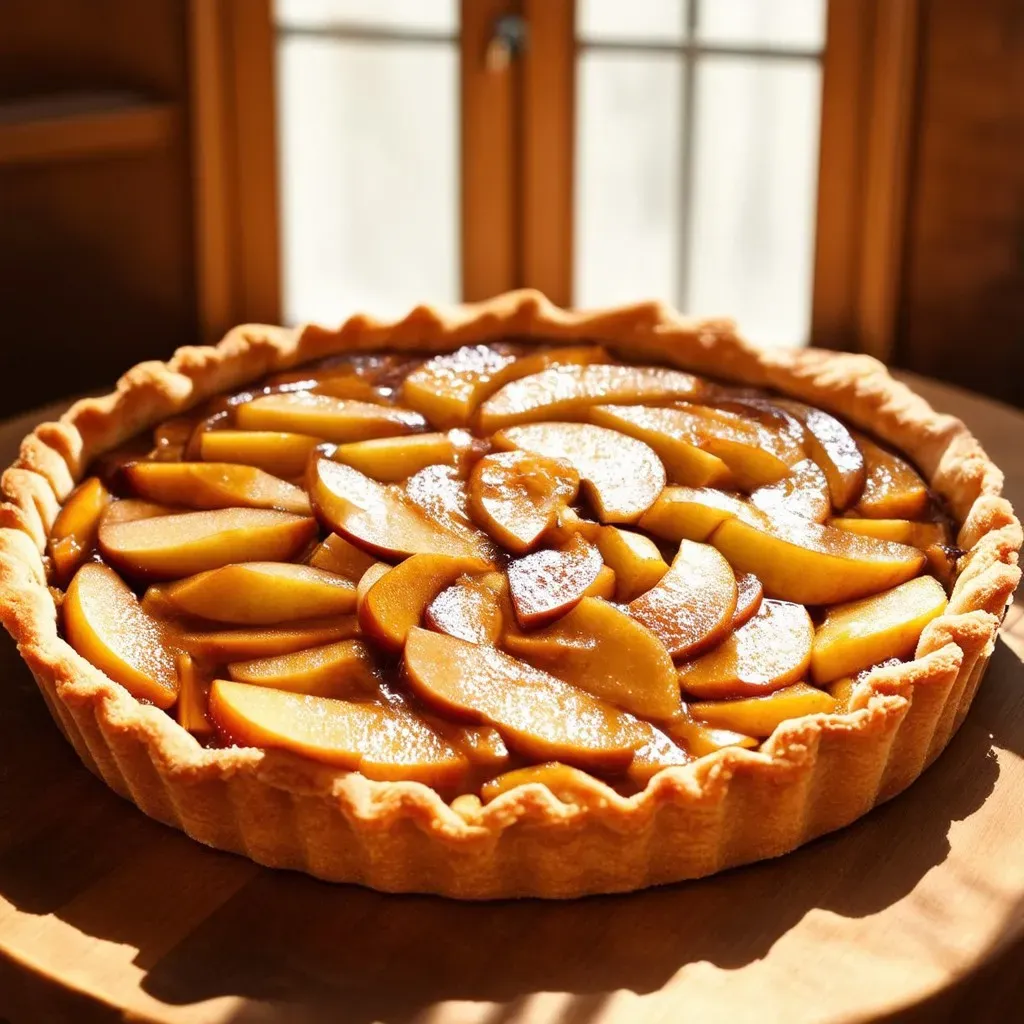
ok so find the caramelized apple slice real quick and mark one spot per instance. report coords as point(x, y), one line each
point(169, 547)
point(761, 716)
point(833, 448)
point(604, 584)
point(337, 381)
point(567, 392)
point(803, 493)
point(337, 555)
point(73, 536)
point(469, 610)
point(602, 650)
point(104, 623)
point(393, 459)
point(334, 419)
point(801, 561)
point(550, 583)
point(621, 476)
point(367, 581)
point(634, 558)
point(378, 519)
point(671, 434)
point(274, 451)
point(892, 488)
point(660, 751)
point(516, 496)
point(379, 740)
point(902, 531)
point(863, 633)
point(127, 510)
point(692, 607)
point(442, 493)
point(541, 716)
point(694, 513)
point(749, 594)
point(771, 651)
point(448, 388)
point(398, 599)
point(230, 645)
point(193, 697)
point(756, 456)
point(482, 744)
point(566, 783)
point(700, 739)
point(263, 594)
point(343, 670)
point(210, 485)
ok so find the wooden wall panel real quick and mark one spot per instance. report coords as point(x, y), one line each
point(963, 304)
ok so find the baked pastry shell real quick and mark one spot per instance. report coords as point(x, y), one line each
point(813, 775)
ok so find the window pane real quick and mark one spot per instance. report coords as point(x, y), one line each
point(369, 170)
point(627, 170)
point(755, 182)
point(413, 15)
point(795, 23)
point(662, 21)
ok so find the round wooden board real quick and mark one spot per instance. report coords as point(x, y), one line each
point(104, 913)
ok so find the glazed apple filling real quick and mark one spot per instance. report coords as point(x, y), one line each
point(499, 565)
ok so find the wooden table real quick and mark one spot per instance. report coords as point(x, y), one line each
point(915, 913)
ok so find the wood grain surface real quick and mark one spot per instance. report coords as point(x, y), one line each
point(914, 913)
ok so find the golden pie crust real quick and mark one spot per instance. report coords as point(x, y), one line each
point(734, 806)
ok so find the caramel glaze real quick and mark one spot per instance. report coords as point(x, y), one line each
point(380, 377)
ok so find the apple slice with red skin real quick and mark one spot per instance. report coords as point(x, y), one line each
point(549, 583)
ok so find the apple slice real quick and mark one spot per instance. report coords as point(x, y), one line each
point(761, 716)
point(394, 459)
point(104, 623)
point(771, 651)
point(274, 451)
point(336, 381)
point(749, 594)
point(671, 434)
point(334, 419)
point(863, 633)
point(337, 555)
point(803, 493)
point(368, 579)
point(541, 716)
point(192, 710)
point(892, 488)
point(210, 485)
point(565, 783)
point(442, 493)
point(262, 594)
point(379, 519)
point(660, 751)
point(448, 388)
point(833, 448)
point(699, 739)
point(550, 583)
point(692, 607)
point(127, 510)
point(797, 560)
point(756, 455)
point(634, 558)
point(604, 585)
point(621, 476)
point(222, 646)
point(397, 600)
point(469, 609)
point(516, 496)
point(482, 744)
point(73, 536)
point(602, 650)
point(902, 531)
point(568, 392)
point(381, 741)
point(343, 670)
point(169, 547)
point(694, 513)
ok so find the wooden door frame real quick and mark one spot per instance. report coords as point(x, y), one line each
point(234, 164)
point(870, 96)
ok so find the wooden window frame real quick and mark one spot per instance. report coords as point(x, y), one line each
point(517, 162)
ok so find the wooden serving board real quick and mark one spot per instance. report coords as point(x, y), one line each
point(916, 911)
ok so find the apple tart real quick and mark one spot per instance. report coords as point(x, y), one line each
point(506, 600)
